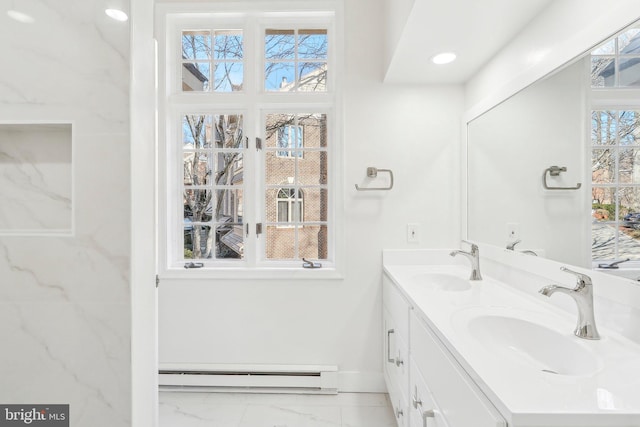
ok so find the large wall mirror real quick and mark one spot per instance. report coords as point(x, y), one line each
point(557, 166)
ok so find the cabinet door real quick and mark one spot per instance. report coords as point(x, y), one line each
point(461, 401)
point(423, 410)
point(396, 352)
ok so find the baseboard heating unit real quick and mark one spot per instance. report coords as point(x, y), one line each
point(250, 378)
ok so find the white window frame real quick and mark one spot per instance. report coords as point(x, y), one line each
point(253, 102)
point(612, 100)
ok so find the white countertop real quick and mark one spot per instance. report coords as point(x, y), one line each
point(605, 382)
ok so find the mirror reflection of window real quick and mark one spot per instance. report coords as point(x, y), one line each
point(616, 63)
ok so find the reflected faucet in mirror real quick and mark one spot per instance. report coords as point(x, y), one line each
point(613, 264)
point(474, 257)
point(511, 246)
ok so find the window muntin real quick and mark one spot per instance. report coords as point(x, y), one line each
point(212, 60)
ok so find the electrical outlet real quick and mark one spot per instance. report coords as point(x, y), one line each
point(513, 230)
point(413, 233)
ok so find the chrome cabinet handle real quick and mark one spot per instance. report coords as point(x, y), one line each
point(399, 413)
point(389, 358)
point(427, 414)
point(399, 361)
point(416, 400)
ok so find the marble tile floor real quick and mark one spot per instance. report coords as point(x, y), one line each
point(211, 409)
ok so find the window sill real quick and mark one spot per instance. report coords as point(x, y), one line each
point(266, 273)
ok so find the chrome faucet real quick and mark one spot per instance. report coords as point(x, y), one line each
point(512, 246)
point(474, 257)
point(582, 294)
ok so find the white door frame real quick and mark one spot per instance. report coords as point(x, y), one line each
point(144, 337)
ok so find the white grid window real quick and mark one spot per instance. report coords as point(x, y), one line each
point(615, 149)
point(250, 136)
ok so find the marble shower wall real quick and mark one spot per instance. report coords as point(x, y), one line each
point(64, 300)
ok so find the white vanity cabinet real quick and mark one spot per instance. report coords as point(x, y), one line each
point(427, 386)
point(396, 349)
point(458, 398)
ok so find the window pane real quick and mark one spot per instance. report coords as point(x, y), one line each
point(312, 44)
point(603, 127)
point(196, 45)
point(629, 72)
point(279, 44)
point(277, 129)
point(230, 241)
point(313, 168)
point(228, 206)
point(198, 241)
point(280, 76)
point(629, 166)
point(604, 204)
point(228, 45)
point(629, 128)
point(228, 77)
point(604, 238)
point(608, 48)
point(279, 170)
point(196, 76)
point(196, 168)
point(228, 168)
point(280, 242)
point(629, 41)
point(602, 71)
point(629, 199)
point(312, 77)
point(312, 242)
point(314, 128)
point(198, 205)
point(227, 130)
point(196, 131)
point(316, 202)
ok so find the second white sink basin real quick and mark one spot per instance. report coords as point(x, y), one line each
point(531, 344)
point(443, 281)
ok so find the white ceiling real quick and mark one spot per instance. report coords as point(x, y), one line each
point(474, 29)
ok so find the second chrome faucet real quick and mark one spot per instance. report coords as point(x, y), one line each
point(582, 294)
point(474, 257)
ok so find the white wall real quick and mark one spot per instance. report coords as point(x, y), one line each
point(64, 301)
point(397, 14)
point(412, 130)
point(563, 31)
point(510, 146)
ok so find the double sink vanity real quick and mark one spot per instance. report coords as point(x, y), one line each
point(495, 351)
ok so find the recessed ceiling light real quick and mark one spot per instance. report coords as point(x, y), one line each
point(443, 58)
point(116, 14)
point(20, 17)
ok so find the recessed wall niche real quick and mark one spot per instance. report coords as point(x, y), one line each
point(36, 179)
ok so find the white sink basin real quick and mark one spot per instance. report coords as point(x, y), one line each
point(443, 281)
point(532, 344)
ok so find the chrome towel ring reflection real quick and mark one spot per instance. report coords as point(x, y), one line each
point(373, 173)
point(555, 171)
